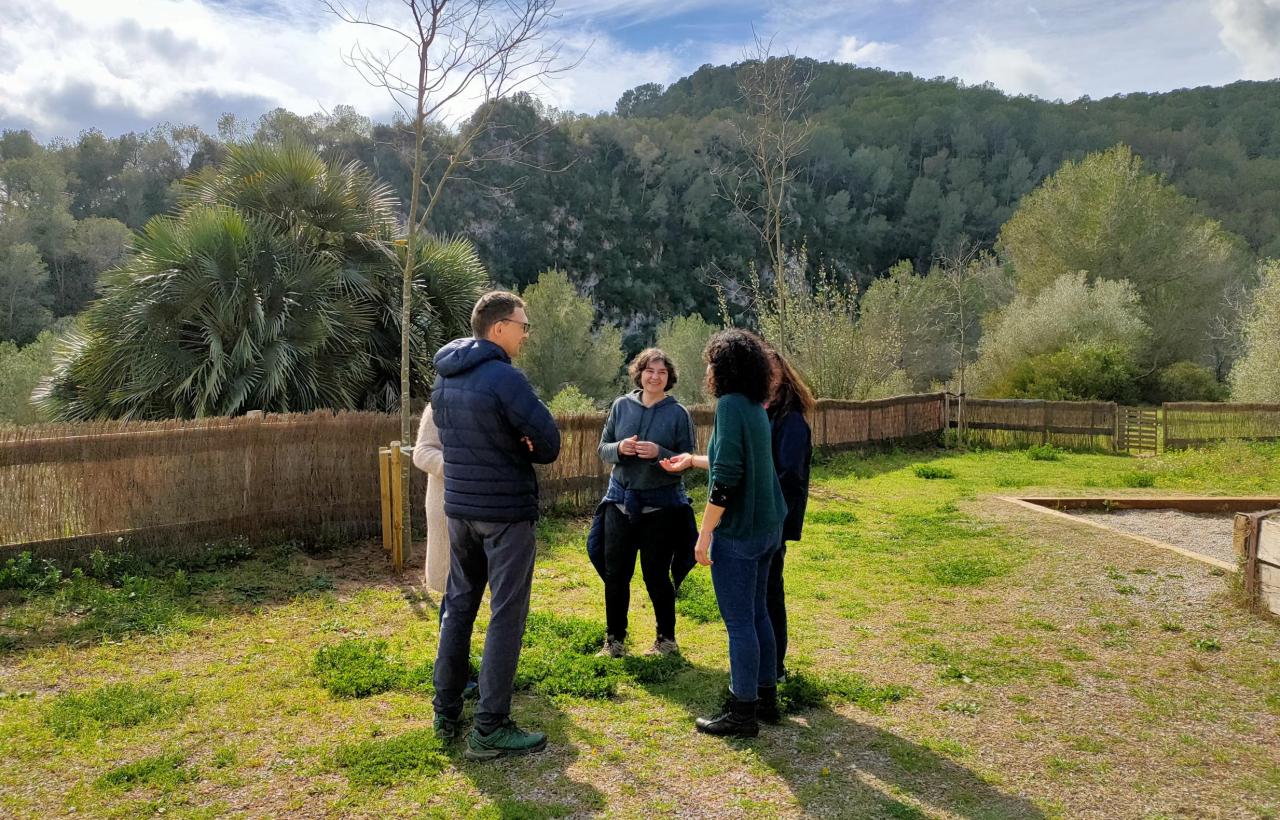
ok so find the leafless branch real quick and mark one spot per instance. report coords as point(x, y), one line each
point(774, 134)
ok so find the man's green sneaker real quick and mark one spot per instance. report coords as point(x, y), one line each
point(507, 740)
point(447, 729)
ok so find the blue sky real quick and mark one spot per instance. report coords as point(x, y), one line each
point(67, 65)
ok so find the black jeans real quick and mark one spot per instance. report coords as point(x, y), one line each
point(655, 536)
point(775, 597)
point(501, 556)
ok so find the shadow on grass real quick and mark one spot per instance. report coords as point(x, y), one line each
point(121, 595)
point(833, 763)
point(511, 783)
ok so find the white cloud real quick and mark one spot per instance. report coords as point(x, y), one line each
point(607, 70)
point(81, 63)
point(869, 53)
point(1251, 31)
point(1014, 70)
point(66, 65)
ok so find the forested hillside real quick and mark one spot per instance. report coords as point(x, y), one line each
point(897, 168)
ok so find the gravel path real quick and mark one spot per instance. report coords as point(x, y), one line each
point(1206, 533)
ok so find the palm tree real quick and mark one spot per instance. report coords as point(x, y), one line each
point(276, 287)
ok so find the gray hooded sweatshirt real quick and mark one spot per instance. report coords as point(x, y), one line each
point(667, 424)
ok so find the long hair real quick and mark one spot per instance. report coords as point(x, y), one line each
point(791, 392)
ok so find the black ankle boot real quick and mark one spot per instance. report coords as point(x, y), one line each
point(737, 720)
point(767, 705)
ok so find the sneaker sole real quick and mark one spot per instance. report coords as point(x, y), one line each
point(494, 754)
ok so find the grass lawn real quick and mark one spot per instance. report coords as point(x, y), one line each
point(957, 657)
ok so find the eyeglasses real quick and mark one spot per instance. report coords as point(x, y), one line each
point(526, 325)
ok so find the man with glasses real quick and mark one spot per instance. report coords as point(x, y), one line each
point(493, 430)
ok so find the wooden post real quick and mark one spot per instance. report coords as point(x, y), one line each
point(249, 452)
point(397, 506)
point(405, 539)
point(946, 419)
point(384, 485)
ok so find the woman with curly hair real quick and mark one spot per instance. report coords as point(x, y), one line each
point(742, 524)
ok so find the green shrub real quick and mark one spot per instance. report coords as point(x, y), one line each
point(1207, 644)
point(1044, 452)
point(696, 599)
point(1137, 478)
point(1089, 373)
point(25, 572)
point(929, 472)
point(1186, 381)
point(390, 761)
point(357, 668)
point(162, 771)
point(111, 706)
point(571, 401)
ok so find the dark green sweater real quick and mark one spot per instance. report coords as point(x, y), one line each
point(741, 457)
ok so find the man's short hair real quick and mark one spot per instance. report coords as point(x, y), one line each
point(492, 308)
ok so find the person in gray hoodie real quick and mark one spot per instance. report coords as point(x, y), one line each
point(645, 509)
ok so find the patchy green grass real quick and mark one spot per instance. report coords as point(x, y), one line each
point(930, 472)
point(112, 706)
point(160, 771)
point(359, 667)
point(950, 655)
point(385, 762)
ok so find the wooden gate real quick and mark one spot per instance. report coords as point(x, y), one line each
point(1138, 430)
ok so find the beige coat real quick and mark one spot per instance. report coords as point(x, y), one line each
point(428, 456)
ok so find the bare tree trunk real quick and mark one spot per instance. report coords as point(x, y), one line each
point(461, 48)
point(776, 132)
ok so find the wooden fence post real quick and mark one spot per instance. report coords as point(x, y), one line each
point(397, 506)
point(384, 486)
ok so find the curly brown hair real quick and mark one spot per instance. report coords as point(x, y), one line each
point(739, 364)
point(644, 358)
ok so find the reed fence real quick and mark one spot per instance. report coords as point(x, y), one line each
point(1192, 424)
point(172, 486)
point(1083, 425)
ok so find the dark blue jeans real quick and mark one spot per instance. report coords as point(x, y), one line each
point(501, 556)
point(777, 596)
point(740, 575)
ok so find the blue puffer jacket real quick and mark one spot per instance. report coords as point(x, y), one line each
point(484, 406)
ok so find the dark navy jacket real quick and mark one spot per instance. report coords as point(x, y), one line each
point(792, 456)
point(484, 406)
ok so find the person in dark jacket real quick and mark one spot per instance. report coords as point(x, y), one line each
point(789, 407)
point(742, 524)
point(493, 430)
point(645, 509)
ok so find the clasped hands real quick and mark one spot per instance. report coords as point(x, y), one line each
point(634, 447)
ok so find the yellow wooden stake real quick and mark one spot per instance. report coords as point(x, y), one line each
point(397, 506)
point(384, 486)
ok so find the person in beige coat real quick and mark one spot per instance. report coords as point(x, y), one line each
point(428, 456)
